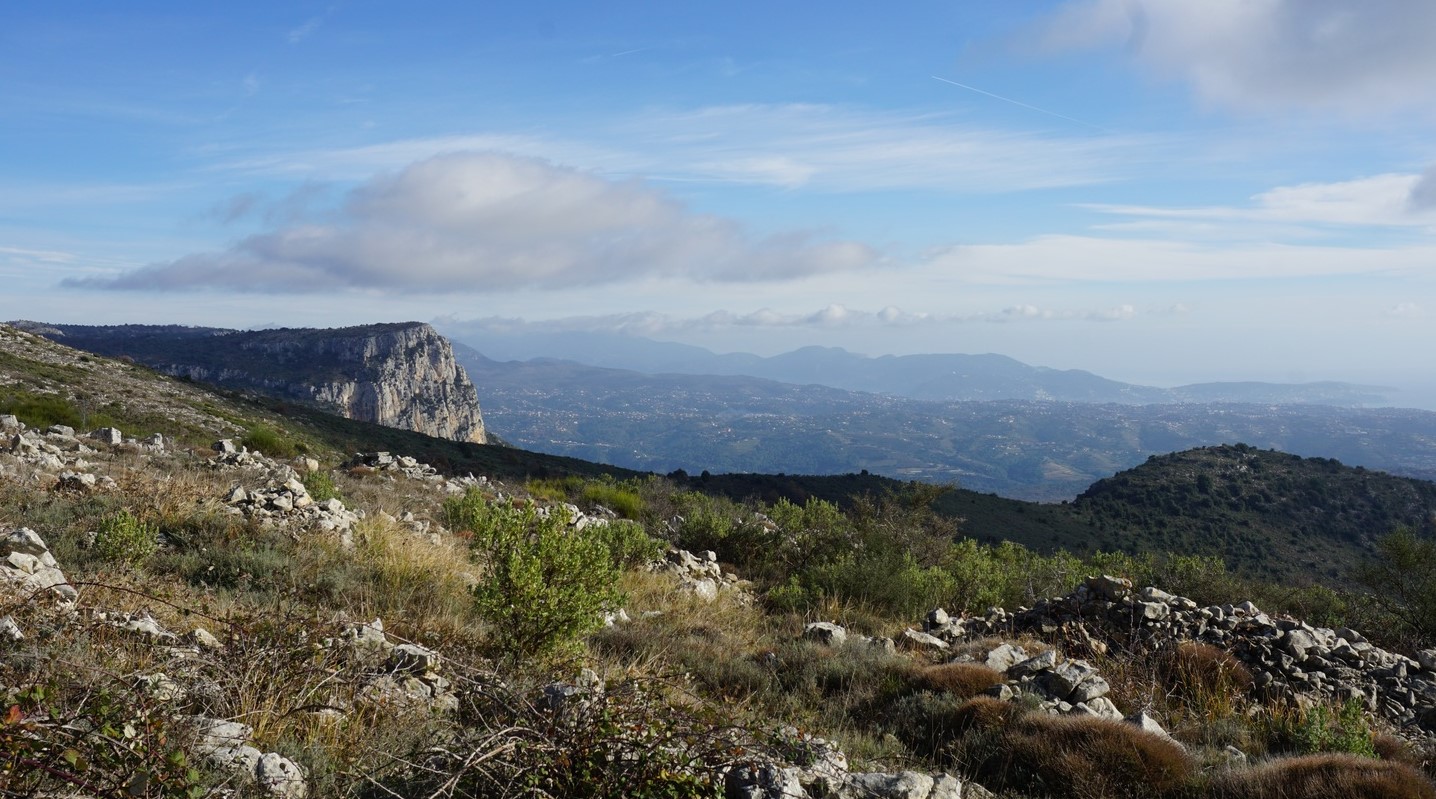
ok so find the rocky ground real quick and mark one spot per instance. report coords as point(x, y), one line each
point(180, 620)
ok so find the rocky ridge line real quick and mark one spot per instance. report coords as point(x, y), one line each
point(398, 375)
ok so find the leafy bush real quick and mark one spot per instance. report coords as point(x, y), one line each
point(320, 486)
point(546, 586)
point(628, 544)
point(102, 742)
point(126, 539)
point(1323, 729)
point(1403, 578)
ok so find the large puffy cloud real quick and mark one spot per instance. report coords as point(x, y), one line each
point(477, 221)
point(1255, 54)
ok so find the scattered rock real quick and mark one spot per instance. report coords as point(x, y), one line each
point(825, 633)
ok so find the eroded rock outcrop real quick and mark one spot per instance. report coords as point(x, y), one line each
point(399, 375)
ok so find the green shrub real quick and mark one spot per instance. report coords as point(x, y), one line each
point(124, 538)
point(621, 500)
point(1323, 729)
point(546, 586)
point(628, 544)
point(320, 486)
point(43, 410)
point(112, 741)
point(1403, 578)
point(268, 441)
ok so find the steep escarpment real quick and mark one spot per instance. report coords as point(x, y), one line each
point(399, 375)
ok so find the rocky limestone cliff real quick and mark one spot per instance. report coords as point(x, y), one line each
point(399, 375)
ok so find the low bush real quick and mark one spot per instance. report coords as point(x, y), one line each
point(623, 500)
point(962, 680)
point(103, 741)
point(625, 741)
point(1321, 728)
point(1076, 756)
point(545, 585)
point(270, 442)
point(1325, 776)
point(1207, 681)
point(320, 486)
point(124, 538)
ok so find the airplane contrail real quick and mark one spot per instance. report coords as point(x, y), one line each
point(1021, 104)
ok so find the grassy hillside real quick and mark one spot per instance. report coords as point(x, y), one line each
point(46, 383)
point(247, 625)
point(1267, 514)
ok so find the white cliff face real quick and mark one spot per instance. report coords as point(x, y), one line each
point(408, 379)
point(398, 375)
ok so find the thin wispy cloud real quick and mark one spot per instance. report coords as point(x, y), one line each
point(1073, 259)
point(817, 147)
point(1019, 103)
point(1389, 200)
point(307, 29)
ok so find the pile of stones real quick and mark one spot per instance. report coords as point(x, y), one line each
point(700, 574)
point(1289, 659)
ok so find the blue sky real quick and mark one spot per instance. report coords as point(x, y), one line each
point(1161, 192)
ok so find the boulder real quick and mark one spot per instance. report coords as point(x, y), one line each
point(281, 778)
point(912, 639)
point(1005, 657)
point(108, 435)
point(1109, 588)
point(825, 633)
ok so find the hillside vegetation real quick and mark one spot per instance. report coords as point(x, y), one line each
point(1036, 450)
point(283, 619)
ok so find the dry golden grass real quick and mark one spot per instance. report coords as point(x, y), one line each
point(1073, 756)
point(962, 680)
point(1327, 776)
point(1206, 681)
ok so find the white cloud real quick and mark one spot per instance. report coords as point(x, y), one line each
point(1389, 200)
point(651, 323)
point(1405, 310)
point(484, 222)
point(1088, 259)
point(1333, 55)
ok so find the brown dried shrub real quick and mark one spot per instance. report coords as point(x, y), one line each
point(1325, 776)
point(963, 680)
point(1208, 681)
point(1077, 756)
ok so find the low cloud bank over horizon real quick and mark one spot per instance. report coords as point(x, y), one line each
point(493, 221)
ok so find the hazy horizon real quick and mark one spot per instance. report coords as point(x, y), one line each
point(1160, 193)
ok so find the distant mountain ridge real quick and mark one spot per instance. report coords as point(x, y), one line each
point(1023, 449)
point(936, 377)
point(400, 375)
